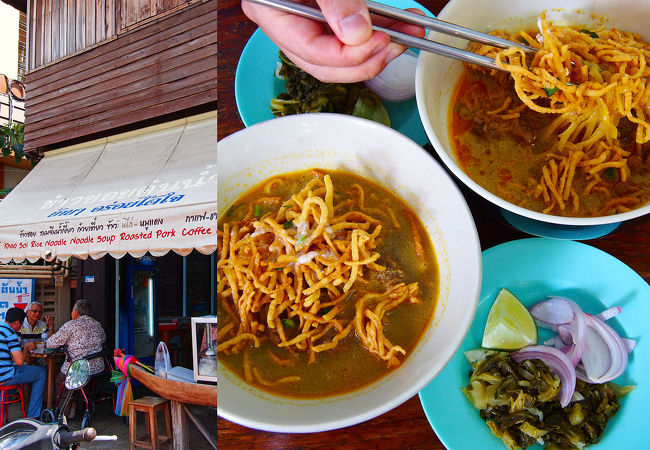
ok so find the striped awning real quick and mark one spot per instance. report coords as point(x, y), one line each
point(151, 190)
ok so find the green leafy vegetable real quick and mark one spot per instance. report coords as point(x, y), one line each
point(12, 139)
point(232, 209)
point(306, 94)
point(288, 224)
point(590, 33)
point(302, 239)
point(257, 211)
point(369, 106)
point(519, 403)
point(551, 91)
point(288, 323)
point(324, 311)
point(609, 173)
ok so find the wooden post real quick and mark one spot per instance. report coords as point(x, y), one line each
point(180, 428)
point(132, 425)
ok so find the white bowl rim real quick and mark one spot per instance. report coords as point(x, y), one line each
point(450, 349)
point(480, 190)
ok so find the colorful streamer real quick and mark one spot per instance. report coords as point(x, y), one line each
point(123, 379)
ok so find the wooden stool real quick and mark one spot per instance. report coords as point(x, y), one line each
point(6, 398)
point(150, 407)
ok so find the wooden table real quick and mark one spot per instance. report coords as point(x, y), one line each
point(50, 358)
point(181, 394)
point(405, 426)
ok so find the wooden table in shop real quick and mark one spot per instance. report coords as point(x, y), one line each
point(182, 394)
point(50, 359)
point(405, 426)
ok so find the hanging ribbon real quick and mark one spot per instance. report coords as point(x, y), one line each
point(122, 377)
point(124, 394)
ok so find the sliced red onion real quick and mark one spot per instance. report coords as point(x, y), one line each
point(596, 357)
point(629, 344)
point(396, 82)
point(555, 311)
point(578, 330)
point(609, 313)
point(552, 312)
point(557, 362)
point(555, 341)
point(565, 335)
point(600, 369)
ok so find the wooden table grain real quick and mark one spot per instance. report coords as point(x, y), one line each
point(405, 426)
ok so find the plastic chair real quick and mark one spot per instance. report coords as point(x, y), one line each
point(7, 397)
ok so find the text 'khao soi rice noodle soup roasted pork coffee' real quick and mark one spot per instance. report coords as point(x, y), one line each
point(326, 281)
point(565, 131)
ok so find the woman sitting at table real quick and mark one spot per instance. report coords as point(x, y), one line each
point(82, 336)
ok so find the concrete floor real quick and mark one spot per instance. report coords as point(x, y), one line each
point(106, 422)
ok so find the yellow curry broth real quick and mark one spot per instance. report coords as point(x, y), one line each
point(506, 156)
point(348, 366)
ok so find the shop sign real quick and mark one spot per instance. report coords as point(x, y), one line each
point(15, 292)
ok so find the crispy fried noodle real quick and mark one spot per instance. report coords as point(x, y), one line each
point(590, 80)
point(299, 265)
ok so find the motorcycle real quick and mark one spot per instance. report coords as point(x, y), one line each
point(32, 434)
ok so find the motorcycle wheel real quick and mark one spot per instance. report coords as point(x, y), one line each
point(47, 416)
point(85, 421)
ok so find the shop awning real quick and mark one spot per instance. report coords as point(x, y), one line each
point(151, 190)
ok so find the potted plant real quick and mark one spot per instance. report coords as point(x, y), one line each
point(12, 139)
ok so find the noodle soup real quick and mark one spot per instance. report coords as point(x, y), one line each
point(565, 132)
point(326, 282)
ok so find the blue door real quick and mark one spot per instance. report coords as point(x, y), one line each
point(141, 312)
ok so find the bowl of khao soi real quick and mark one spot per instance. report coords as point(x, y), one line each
point(561, 136)
point(348, 272)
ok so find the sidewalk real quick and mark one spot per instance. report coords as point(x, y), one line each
point(106, 422)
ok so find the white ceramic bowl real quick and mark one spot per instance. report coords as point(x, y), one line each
point(436, 77)
point(335, 141)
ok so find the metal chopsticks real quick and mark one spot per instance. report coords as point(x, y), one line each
point(411, 41)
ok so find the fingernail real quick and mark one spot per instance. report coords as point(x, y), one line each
point(392, 54)
point(353, 28)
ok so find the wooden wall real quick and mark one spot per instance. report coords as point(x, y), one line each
point(119, 62)
point(59, 28)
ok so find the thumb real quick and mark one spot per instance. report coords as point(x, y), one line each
point(349, 20)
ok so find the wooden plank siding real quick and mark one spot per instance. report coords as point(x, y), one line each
point(59, 28)
point(147, 67)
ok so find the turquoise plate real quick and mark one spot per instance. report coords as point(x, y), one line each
point(532, 269)
point(256, 84)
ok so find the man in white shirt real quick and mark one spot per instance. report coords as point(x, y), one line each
point(34, 324)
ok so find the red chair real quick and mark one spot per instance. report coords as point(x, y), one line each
point(7, 397)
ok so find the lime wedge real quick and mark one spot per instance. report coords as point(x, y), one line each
point(509, 325)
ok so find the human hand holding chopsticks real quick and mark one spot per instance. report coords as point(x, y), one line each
point(345, 50)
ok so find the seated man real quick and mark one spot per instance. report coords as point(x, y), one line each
point(33, 324)
point(12, 358)
point(82, 336)
point(35, 329)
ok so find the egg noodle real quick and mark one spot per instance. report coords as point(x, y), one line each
point(590, 80)
point(292, 271)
